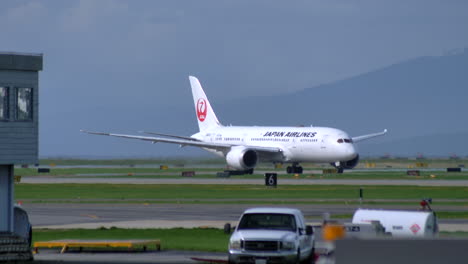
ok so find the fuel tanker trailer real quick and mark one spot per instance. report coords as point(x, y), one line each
point(403, 224)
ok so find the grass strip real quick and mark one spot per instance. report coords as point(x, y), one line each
point(199, 173)
point(132, 161)
point(97, 171)
point(187, 191)
point(415, 203)
point(452, 214)
point(196, 239)
point(457, 234)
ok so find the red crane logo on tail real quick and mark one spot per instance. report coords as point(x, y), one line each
point(201, 109)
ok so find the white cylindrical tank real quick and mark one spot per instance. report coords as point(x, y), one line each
point(400, 223)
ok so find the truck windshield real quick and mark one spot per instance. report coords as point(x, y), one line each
point(268, 221)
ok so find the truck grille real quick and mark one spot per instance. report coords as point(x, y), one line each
point(261, 245)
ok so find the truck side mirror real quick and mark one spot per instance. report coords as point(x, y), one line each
point(309, 230)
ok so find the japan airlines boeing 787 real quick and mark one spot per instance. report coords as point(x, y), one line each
point(243, 147)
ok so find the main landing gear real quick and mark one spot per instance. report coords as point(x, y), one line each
point(295, 168)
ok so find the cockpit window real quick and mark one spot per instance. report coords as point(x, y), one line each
point(345, 140)
point(340, 140)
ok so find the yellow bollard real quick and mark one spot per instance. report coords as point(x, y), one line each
point(333, 232)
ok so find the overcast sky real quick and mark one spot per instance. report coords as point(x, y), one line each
point(139, 53)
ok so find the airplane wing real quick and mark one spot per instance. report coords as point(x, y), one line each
point(172, 136)
point(364, 137)
point(184, 141)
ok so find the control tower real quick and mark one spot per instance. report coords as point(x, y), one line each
point(19, 127)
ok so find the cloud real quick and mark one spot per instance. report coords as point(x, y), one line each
point(23, 26)
point(85, 15)
point(25, 18)
point(29, 13)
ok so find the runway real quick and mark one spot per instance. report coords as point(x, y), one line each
point(91, 216)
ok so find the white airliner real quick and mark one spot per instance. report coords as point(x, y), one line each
point(243, 147)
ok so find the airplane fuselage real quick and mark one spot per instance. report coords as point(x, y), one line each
point(298, 144)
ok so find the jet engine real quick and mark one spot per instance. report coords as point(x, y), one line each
point(241, 158)
point(347, 164)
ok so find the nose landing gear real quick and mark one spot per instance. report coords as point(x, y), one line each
point(295, 168)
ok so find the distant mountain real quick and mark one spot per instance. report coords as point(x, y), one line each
point(422, 102)
point(418, 101)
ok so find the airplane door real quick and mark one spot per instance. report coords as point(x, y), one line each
point(323, 143)
point(293, 147)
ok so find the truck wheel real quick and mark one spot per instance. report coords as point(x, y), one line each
point(30, 237)
point(310, 259)
point(312, 256)
point(298, 258)
point(231, 260)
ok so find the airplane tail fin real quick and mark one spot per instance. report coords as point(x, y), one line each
point(205, 115)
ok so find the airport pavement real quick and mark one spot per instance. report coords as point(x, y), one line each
point(83, 215)
point(42, 214)
point(154, 257)
point(151, 224)
point(236, 181)
point(80, 214)
point(91, 216)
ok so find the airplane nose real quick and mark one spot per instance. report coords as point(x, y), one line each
point(350, 151)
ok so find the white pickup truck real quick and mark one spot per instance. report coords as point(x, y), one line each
point(272, 235)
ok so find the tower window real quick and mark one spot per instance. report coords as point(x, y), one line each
point(4, 103)
point(24, 104)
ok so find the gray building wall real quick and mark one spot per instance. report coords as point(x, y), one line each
point(19, 141)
